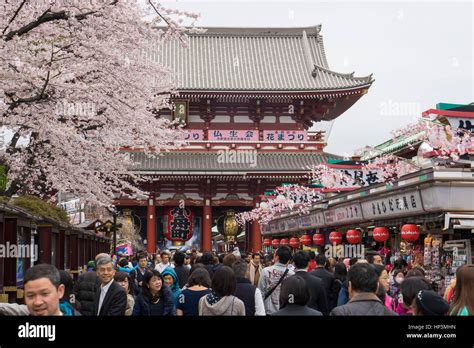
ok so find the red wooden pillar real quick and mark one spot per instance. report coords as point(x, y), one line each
point(151, 226)
point(9, 264)
point(73, 253)
point(45, 241)
point(255, 233)
point(60, 250)
point(206, 233)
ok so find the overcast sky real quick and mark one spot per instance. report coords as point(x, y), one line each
point(420, 53)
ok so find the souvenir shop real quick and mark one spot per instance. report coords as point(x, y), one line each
point(427, 219)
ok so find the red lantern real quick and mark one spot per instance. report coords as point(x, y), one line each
point(410, 232)
point(267, 242)
point(335, 237)
point(284, 241)
point(275, 243)
point(179, 225)
point(353, 236)
point(305, 239)
point(294, 242)
point(318, 239)
point(380, 234)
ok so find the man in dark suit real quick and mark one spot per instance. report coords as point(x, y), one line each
point(318, 298)
point(328, 279)
point(110, 298)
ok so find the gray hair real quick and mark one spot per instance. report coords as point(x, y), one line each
point(103, 260)
point(240, 268)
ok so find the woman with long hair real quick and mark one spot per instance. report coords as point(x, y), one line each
point(463, 298)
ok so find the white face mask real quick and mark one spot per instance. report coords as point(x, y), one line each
point(399, 280)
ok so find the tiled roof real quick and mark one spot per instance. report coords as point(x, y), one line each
point(198, 162)
point(255, 59)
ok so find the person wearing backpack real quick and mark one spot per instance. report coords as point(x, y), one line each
point(272, 277)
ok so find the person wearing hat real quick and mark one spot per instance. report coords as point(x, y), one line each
point(429, 302)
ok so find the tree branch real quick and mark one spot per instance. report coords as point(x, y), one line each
point(14, 16)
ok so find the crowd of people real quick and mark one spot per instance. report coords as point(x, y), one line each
point(209, 284)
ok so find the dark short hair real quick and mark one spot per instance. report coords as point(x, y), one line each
point(301, 259)
point(207, 258)
point(43, 271)
point(294, 291)
point(164, 253)
point(371, 255)
point(200, 276)
point(415, 272)
point(379, 270)
point(363, 277)
point(411, 286)
point(121, 276)
point(320, 260)
point(179, 257)
point(255, 254)
point(340, 271)
point(66, 279)
point(224, 282)
point(240, 268)
point(229, 260)
point(284, 254)
point(312, 255)
point(142, 256)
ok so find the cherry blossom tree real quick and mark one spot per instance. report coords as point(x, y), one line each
point(80, 84)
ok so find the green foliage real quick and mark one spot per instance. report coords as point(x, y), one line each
point(3, 178)
point(37, 206)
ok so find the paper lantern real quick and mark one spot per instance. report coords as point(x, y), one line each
point(267, 242)
point(353, 236)
point(335, 237)
point(305, 239)
point(294, 242)
point(275, 243)
point(318, 239)
point(284, 241)
point(179, 225)
point(380, 234)
point(410, 232)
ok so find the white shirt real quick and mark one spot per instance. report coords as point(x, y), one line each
point(161, 266)
point(103, 292)
point(259, 305)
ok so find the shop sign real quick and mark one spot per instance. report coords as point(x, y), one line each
point(343, 214)
point(393, 205)
point(284, 136)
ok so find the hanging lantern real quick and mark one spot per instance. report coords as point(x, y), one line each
point(318, 239)
point(305, 239)
point(381, 234)
point(335, 237)
point(275, 243)
point(179, 222)
point(284, 241)
point(294, 243)
point(353, 236)
point(267, 242)
point(410, 232)
point(228, 226)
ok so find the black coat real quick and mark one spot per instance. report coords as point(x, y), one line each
point(137, 277)
point(318, 299)
point(115, 301)
point(183, 275)
point(245, 291)
point(84, 292)
point(295, 310)
point(328, 282)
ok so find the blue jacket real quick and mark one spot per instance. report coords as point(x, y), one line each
point(175, 288)
point(164, 307)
